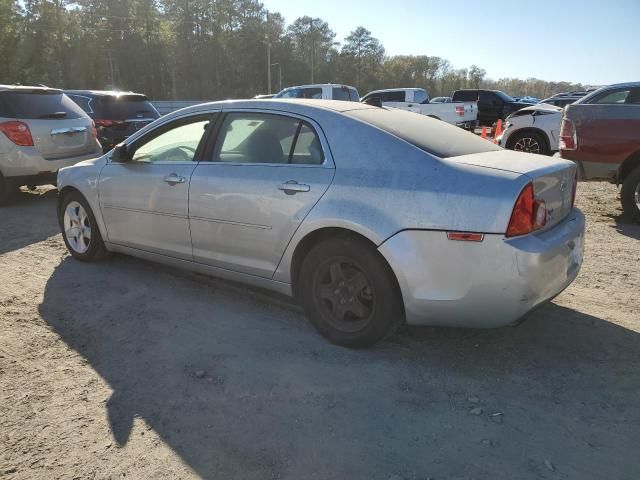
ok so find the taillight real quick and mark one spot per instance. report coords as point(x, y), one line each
point(460, 110)
point(529, 213)
point(568, 139)
point(17, 132)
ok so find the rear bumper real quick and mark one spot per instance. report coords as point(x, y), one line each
point(27, 162)
point(485, 284)
point(467, 124)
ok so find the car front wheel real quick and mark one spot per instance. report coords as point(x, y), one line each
point(80, 229)
point(350, 293)
point(631, 195)
point(528, 142)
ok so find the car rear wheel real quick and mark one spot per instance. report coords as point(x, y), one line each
point(7, 191)
point(350, 293)
point(529, 142)
point(80, 229)
point(631, 194)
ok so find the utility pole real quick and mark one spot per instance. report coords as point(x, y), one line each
point(268, 66)
point(279, 75)
point(313, 49)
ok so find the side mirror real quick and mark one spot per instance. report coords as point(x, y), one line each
point(119, 154)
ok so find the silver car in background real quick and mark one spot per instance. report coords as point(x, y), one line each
point(368, 216)
point(41, 131)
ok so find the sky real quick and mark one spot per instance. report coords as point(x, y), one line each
point(589, 42)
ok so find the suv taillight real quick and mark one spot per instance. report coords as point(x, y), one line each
point(17, 132)
point(568, 139)
point(529, 213)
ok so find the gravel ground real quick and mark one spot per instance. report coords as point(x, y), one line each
point(128, 369)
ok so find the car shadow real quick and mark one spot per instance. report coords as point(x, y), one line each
point(626, 225)
point(240, 386)
point(29, 218)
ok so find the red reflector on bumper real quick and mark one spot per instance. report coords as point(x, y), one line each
point(465, 236)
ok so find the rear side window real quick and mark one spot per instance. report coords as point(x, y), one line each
point(341, 93)
point(267, 138)
point(396, 96)
point(465, 96)
point(123, 107)
point(38, 105)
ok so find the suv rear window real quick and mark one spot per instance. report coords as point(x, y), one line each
point(38, 104)
point(123, 107)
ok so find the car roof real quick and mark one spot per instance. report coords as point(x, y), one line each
point(292, 105)
point(103, 93)
point(27, 88)
point(395, 89)
point(312, 85)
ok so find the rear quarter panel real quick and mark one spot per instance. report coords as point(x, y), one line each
point(607, 134)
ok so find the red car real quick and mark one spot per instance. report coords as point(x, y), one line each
point(601, 133)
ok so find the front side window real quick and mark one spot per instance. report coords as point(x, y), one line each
point(419, 96)
point(354, 95)
point(176, 144)
point(618, 97)
point(266, 138)
point(312, 92)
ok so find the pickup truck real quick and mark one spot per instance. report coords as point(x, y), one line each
point(601, 133)
point(463, 114)
point(324, 91)
point(493, 105)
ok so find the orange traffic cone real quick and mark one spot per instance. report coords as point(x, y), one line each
point(484, 133)
point(498, 131)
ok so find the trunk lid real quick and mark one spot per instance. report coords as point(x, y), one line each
point(553, 178)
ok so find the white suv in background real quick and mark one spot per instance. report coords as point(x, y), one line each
point(322, 91)
point(534, 129)
point(41, 131)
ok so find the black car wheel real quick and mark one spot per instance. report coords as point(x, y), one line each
point(350, 293)
point(529, 142)
point(631, 194)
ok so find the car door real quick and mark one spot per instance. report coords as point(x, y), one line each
point(267, 171)
point(145, 197)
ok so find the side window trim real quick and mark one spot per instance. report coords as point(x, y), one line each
point(178, 122)
point(215, 138)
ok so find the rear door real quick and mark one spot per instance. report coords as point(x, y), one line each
point(59, 127)
point(265, 174)
point(145, 200)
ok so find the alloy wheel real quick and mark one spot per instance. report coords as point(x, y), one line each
point(527, 144)
point(345, 295)
point(77, 227)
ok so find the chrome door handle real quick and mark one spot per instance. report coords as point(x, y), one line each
point(173, 179)
point(292, 187)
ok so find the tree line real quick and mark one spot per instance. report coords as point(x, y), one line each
point(211, 49)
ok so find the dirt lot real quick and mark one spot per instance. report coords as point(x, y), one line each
point(127, 369)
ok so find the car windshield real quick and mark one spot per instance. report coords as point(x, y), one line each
point(433, 136)
point(505, 97)
point(38, 104)
point(123, 107)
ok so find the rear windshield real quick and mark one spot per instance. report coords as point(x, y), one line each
point(38, 104)
point(433, 136)
point(123, 107)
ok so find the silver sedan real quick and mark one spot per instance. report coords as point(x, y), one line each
point(367, 216)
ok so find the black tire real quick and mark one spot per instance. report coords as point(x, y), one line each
point(631, 195)
point(356, 307)
point(95, 250)
point(7, 191)
point(530, 142)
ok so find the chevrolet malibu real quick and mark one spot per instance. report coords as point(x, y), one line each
point(367, 216)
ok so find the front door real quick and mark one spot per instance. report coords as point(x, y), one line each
point(145, 199)
point(266, 173)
